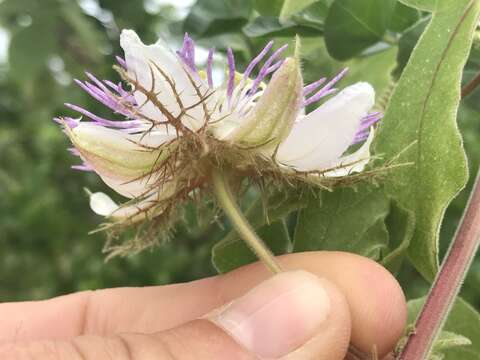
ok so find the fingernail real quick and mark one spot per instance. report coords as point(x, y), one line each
point(278, 316)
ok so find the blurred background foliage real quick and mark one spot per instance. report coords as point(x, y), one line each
point(45, 44)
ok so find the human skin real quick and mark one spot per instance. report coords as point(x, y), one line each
point(363, 306)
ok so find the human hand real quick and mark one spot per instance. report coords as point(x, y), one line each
point(294, 315)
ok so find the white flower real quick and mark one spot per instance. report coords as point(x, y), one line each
point(176, 117)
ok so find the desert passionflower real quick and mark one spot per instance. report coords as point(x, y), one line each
point(178, 127)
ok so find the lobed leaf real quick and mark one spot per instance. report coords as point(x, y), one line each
point(420, 123)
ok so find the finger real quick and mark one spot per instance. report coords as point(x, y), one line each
point(376, 303)
point(293, 315)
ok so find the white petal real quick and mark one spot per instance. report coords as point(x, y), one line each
point(102, 204)
point(141, 59)
point(354, 162)
point(129, 189)
point(150, 206)
point(322, 136)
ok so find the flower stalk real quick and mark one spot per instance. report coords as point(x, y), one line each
point(448, 281)
point(227, 202)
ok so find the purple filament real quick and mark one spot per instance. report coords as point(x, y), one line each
point(187, 52)
point(101, 93)
point(102, 121)
point(257, 59)
point(364, 129)
point(313, 86)
point(70, 122)
point(275, 66)
point(231, 73)
point(264, 71)
point(326, 90)
point(84, 167)
point(209, 67)
point(121, 62)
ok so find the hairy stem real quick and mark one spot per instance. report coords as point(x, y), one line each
point(448, 282)
point(240, 223)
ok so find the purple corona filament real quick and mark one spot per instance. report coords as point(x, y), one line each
point(264, 70)
point(231, 73)
point(121, 62)
point(191, 54)
point(73, 151)
point(365, 125)
point(84, 167)
point(209, 67)
point(256, 60)
point(313, 86)
point(70, 122)
point(187, 52)
point(326, 90)
point(275, 66)
point(102, 121)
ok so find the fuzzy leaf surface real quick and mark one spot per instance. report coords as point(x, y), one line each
point(420, 126)
point(400, 225)
point(345, 220)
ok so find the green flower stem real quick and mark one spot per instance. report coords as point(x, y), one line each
point(240, 223)
point(448, 282)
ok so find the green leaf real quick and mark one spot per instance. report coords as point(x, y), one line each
point(312, 16)
point(403, 17)
point(352, 26)
point(448, 340)
point(232, 252)
point(461, 328)
point(308, 22)
point(425, 5)
point(407, 43)
point(211, 17)
point(291, 7)
point(268, 7)
point(420, 124)
point(271, 26)
point(400, 227)
point(345, 220)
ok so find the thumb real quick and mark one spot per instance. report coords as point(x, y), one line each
point(293, 315)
